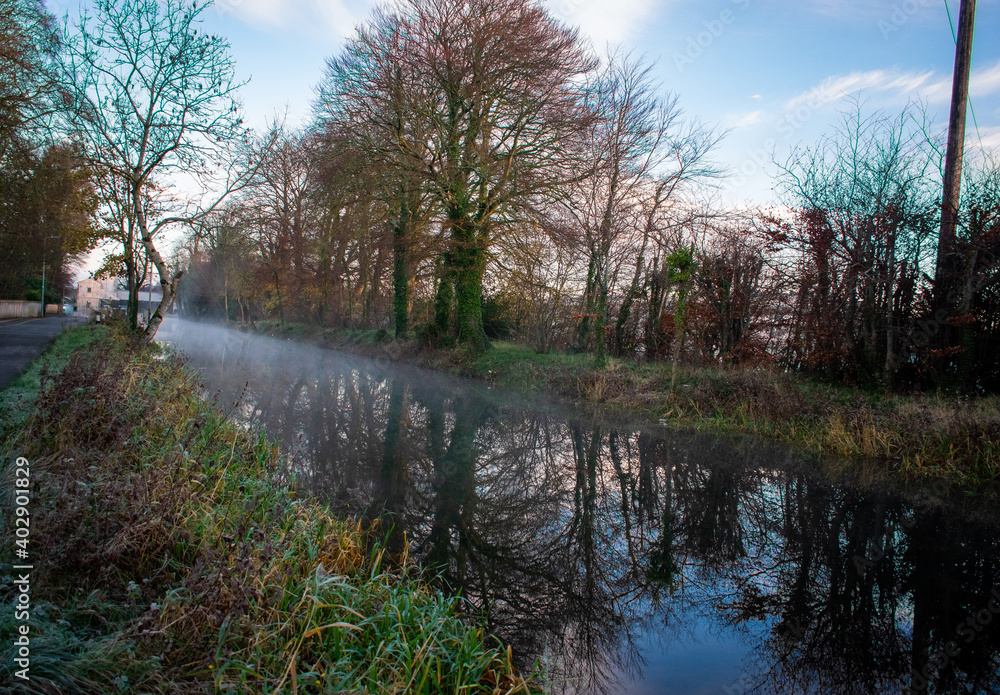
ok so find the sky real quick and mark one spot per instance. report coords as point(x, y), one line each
point(775, 74)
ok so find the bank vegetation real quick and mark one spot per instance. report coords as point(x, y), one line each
point(172, 555)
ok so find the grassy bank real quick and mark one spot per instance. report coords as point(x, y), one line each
point(913, 436)
point(170, 556)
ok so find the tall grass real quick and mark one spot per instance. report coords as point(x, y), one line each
point(919, 435)
point(172, 557)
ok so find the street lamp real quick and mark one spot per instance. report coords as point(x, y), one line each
point(44, 239)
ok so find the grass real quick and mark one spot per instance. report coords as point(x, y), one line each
point(924, 435)
point(18, 399)
point(172, 556)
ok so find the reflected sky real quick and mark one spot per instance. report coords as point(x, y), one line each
point(619, 557)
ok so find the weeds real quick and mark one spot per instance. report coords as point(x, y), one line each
point(173, 558)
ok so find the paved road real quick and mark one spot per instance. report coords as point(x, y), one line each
point(22, 340)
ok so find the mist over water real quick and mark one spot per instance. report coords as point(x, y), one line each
point(623, 557)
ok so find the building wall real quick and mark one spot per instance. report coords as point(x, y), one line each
point(91, 292)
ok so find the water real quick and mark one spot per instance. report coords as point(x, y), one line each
point(625, 557)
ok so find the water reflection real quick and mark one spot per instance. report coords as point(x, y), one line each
point(627, 559)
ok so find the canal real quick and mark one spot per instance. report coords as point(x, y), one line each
point(618, 556)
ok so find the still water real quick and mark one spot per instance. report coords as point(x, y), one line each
point(624, 557)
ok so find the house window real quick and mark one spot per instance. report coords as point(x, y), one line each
point(88, 292)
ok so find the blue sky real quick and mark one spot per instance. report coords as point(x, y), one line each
point(775, 72)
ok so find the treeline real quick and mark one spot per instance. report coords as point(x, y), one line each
point(473, 171)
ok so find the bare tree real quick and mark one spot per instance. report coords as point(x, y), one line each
point(151, 97)
point(637, 135)
point(478, 100)
point(867, 212)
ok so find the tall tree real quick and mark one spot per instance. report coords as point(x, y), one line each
point(487, 92)
point(636, 133)
point(28, 45)
point(47, 206)
point(149, 97)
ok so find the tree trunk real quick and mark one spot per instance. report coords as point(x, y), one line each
point(679, 317)
point(168, 281)
point(132, 285)
point(400, 279)
point(470, 263)
point(601, 354)
point(589, 307)
point(625, 311)
point(444, 297)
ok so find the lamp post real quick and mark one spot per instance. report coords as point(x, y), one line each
point(44, 239)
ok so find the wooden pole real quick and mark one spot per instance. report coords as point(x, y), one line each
point(947, 263)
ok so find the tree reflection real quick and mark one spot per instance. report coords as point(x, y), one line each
point(575, 536)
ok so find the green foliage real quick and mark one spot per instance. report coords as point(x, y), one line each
point(47, 208)
point(681, 265)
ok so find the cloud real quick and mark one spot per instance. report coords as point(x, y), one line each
point(897, 85)
point(601, 21)
point(837, 87)
point(984, 81)
point(744, 120)
point(318, 18)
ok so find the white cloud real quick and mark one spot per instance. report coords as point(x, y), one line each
point(319, 18)
point(744, 120)
point(899, 85)
point(601, 21)
point(984, 81)
point(837, 87)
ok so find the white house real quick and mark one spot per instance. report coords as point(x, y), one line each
point(93, 295)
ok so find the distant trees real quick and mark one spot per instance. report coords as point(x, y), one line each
point(47, 213)
point(471, 166)
point(46, 194)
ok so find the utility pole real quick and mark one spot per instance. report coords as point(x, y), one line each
point(45, 239)
point(947, 262)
